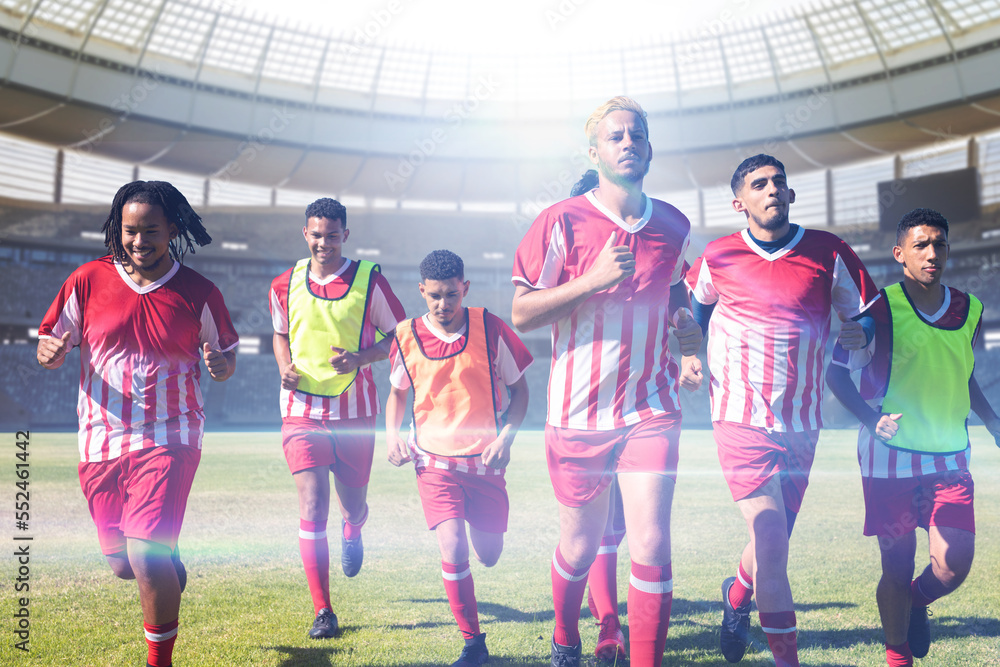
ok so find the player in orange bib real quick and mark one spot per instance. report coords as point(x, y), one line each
point(466, 369)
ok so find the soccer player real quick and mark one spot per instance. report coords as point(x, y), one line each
point(917, 387)
point(332, 318)
point(771, 287)
point(144, 323)
point(466, 368)
point(596, 269)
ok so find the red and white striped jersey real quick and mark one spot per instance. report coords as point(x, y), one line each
point(610, 364)
point(140, 354)
point(509, 358)
point(768, 332)
point(384, 313)
point(875, 457)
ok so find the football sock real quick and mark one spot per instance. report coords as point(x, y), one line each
point(917, 596)
point(741, 591)
point(315, 550)
point(779, 627)
point(568, 586)
point(603, 580)
point(160, 642)
point(352, 531)
point(898, 656)
point(650, 594)
point(461, 592)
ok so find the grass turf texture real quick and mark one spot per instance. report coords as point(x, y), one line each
point(247, 603)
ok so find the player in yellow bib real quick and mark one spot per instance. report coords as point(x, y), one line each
point(331, 319)
point(466, 369)
point(917, 388)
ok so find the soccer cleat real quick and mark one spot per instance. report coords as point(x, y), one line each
point(352, 553)
point(182, 575)
point(918, 635)
point(325, 626)
point(735, 634)
point(565, 656)
point(610, 641)
point(474, 653)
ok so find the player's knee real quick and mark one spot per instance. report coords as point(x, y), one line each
point(489, 559)
point(952, 574)
point(120, 565)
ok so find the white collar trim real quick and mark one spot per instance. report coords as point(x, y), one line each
point(631, 229)
point(441, 335)
point(945, 304)
point(775, 255)
point(323, 281)
point(144, 289)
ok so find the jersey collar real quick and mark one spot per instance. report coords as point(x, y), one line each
point(631, 229)
point(145, 289)
point(777, 254)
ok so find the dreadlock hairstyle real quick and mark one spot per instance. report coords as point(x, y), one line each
point(586, 183)
point(190, 229)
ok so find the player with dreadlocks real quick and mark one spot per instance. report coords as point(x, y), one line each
point(143, 323)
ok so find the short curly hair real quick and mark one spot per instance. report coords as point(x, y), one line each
point(919, 217)
point(442, 265)
point(331, 209)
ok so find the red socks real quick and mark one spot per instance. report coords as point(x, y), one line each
point(917, 596)
point(898, 656)
point(741, 592)
point(160, 640)
point(779, 627)
point(353, 531)
point(315, 550)
point(461, 592)
point(568, 586)
point(650, 594)
point(603, 579)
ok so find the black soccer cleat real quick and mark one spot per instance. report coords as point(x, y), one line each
point(918, 635)
point(566, 656)
point(352, 553)
point(325, 626)
point(735, 634)
point(474, 653)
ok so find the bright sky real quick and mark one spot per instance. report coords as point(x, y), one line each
point(522, 26)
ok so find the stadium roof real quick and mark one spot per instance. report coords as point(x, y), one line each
point(214, 90)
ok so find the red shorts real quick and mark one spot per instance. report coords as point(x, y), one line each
point(449, 494)
point(140, 495)
point(583, 463)
point(750, 457)
point(346, 446)
point(896, 507)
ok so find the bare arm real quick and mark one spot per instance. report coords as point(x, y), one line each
point(882, 426)
point(283, 355)
point(981, 406)
point(497, 453)
point(533, 308)
point(395, 410)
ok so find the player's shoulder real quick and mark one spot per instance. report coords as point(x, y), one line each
point(666, 210)
point(283, 278)
point(191, 278)
point(726, 244)
point(496, 322)
point(823, 238)
point(960, 300)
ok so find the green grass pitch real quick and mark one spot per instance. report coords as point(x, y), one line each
point(247, 603)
